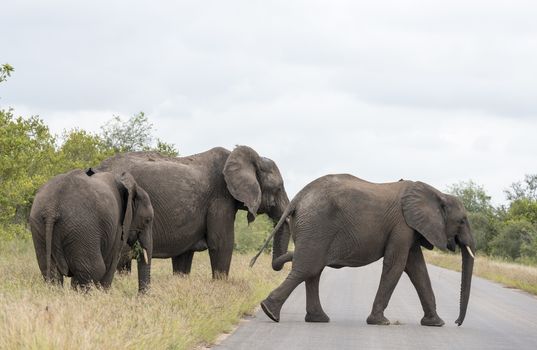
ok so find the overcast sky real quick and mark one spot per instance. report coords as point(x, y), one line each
point(423, 90)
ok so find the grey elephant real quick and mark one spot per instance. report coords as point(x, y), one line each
point(341, 220)
point(196, 198)
point(80, 222)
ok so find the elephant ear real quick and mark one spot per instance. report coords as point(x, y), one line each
point(130, 187)
point(423, 209)
point(240, 173)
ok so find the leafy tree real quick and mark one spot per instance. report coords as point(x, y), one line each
point(166, 149)
point(27, 158)
point(484, 228)
point(526, 189)
point(5, 71)
point(127, 136)
point(513, 236)
point(473, 196)
point(523, 208)
point(481, 213)
point(81, 149)
point(132, 135)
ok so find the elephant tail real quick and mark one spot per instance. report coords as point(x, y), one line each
point(49, 226)
point(288, 212)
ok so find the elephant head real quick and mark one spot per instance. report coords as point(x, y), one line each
point(137, 225)
point(441, 220)
point(257, 183)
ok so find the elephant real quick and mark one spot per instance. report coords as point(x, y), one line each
point(341, 220)
point(80, 222)
point(196, 198)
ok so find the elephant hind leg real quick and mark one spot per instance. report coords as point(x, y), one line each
point(85, 275)
point(182, 264)
point(274, 302)
point(315, 312)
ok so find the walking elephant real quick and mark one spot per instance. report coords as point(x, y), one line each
point(80, 222)
point(196, 198)
point(341, 220)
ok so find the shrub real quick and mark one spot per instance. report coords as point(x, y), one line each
point(515, 238)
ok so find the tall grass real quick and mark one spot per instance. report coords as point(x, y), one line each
point(511, 274)
point(177, 313)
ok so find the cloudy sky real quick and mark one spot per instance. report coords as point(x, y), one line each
point(433, 91)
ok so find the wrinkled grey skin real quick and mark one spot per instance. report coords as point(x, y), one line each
point(80, 222)
point(341, 220)
point(196, 198)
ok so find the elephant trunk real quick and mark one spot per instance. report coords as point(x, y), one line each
point(144, 261)
point(279, 250)
point(281, 237)
point(466, 280)
point(144, 275)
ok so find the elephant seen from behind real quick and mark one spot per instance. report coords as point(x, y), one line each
point(341, 220)
point(80, 222)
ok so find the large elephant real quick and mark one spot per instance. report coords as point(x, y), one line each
point(341, 220)
point(80, 222)
point(197, 197)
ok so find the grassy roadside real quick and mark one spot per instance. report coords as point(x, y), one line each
point(512, 275)
point(178, 313)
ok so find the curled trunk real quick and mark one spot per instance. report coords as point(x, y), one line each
point(281, 243)
point(282, 235)
point(466, 281)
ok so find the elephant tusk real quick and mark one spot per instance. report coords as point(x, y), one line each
point(145, 257)
point(470, 252)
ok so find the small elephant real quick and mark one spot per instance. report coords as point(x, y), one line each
point(341, 220)
point(197, 197)
point(80, 222)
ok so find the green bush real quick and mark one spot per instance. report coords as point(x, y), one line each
point(14, 232)
point(484, 228)
point(516, 238)
point(249, 238)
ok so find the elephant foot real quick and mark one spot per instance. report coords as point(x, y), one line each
point(271, 309)
point(433, 321)
point(318, 317)
point(378, 320)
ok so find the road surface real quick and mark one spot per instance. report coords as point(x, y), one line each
point(497, 317)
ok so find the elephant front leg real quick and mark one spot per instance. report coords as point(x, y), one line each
point(182, 264)
point(416, 270)
point(315, 312)
point(221, 236)
point(394, 263)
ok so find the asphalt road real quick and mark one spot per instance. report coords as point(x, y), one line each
point(497, 317)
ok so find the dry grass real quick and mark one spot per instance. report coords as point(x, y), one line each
point(512, 275)
point(178, 312)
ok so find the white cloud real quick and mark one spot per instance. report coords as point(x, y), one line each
point(440, 92)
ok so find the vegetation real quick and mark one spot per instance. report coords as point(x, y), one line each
point(30, 155)
point(177, 313)
point(508, 231)
point(5, 71)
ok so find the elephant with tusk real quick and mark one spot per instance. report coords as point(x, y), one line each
point(80, 222)
point(197, 197)
point(341, 220)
